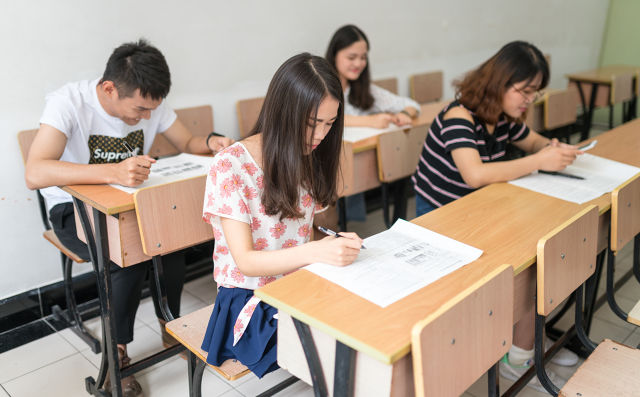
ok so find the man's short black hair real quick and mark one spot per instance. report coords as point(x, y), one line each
point(138, 65)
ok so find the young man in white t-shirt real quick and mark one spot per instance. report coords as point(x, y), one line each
point(80, 141)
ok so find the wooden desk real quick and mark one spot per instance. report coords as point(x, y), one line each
point(113, 233)
point(503, 220)
point(597, 85)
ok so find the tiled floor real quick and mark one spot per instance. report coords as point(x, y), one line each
point(57, 364)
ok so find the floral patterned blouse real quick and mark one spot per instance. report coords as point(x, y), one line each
point(234, 188)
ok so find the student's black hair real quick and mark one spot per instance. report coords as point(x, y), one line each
point(289, 110)
point(138, 65)
point(360, 92)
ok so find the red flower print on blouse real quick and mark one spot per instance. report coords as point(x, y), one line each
point(225, 271)
point(264, 280)
point(249, 168)
point(213, 175)
point(225, 210)
point(260, 182)
point(210, 199)
point(223, 165)
point(249, 309)
point(319, 206)
point(290, 243)
point(262, 210)
point(222, 250)
point(260, 244)
point(215, 257)
point(237, 275)
point(227, 187)
point(244, 209)
point(303, 231)
point(216, 272)
point(216, 233)
point(255, 224)
point(307, 200)
point(236, 150)
point(238, 326)
point(237, 181)
point(278, 229)
point(249, 193)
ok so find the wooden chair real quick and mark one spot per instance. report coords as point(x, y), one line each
point(71, 315)
point(426, 87)
point(390, 84)
point(622, 92)
point(566, 259)
point(476, 325)
point(248, 112)
point(198, 120)
point(189, 330)
point(625, 226)
point(398, 154)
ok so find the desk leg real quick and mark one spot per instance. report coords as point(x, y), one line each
point(636, 257)
point(311, 354)
point(99, 252)
point(587, 110)
point(592, 291)
point(158, 275)
point(343, 381)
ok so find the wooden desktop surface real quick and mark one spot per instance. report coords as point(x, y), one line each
point(503, 220)
point(428, 112)
point(104, 198)
point(604, 74)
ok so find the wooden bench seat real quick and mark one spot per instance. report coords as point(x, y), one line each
point(189, 330)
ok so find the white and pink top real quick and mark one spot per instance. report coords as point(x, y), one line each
point(234, 190)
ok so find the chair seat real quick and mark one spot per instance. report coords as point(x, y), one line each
point(634, 314)
point(189, 330)
point(50, 236)
point(613, 369)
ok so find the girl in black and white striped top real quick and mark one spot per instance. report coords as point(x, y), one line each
point(465, 147)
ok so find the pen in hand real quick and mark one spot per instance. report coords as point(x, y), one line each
point(330, 232)
point(129, 148)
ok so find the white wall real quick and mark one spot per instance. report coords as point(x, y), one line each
point(220, 52)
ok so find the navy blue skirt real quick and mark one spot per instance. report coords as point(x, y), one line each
point(256, 348)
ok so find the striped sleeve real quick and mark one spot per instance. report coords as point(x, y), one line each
point(518, 131)
point(457, 133)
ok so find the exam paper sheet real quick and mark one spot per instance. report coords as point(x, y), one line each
point(398, 262)
point(171, 169)
point(600, 176)
point(355, 134)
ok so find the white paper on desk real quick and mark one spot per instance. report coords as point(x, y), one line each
point(600, 176)
point(171, 169)
point(355, 134)
point(398, 262)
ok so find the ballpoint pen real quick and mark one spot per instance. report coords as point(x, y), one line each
point(330, 232)
point(560, 174)
point(129, 148)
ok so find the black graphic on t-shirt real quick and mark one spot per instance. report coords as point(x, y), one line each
point(109, 149)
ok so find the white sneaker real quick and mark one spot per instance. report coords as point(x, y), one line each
point(563, 357)
point(514, 373)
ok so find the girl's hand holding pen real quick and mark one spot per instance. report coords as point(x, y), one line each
point(338, 251)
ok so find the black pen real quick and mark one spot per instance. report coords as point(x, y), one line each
point(129, 148)
point(330, 232)
point(560, 174)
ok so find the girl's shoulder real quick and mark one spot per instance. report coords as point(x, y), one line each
point(456, 111)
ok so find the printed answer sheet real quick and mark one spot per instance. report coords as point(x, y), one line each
point(600, 176)
point(398, 262)
point(355, 134)
point(171, 169)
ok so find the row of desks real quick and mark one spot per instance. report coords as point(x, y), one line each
point(503, 220)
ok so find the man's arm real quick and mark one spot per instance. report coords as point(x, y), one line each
point(44, 167)
point(182, 139)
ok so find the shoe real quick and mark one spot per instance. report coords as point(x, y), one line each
point(130, 386)
point(514, 373)
point(563, 357)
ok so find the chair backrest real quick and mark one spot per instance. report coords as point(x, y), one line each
point(566, 259)
point(248, 111)
point(625, 213)
point(559, 108)
point(621, 88)
point(345, 172)
point(426, 87)
point(398, 152)
point(458, 343)
point(390, 84)
point(25, 139)
point(170, 216)
point(198, 120)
